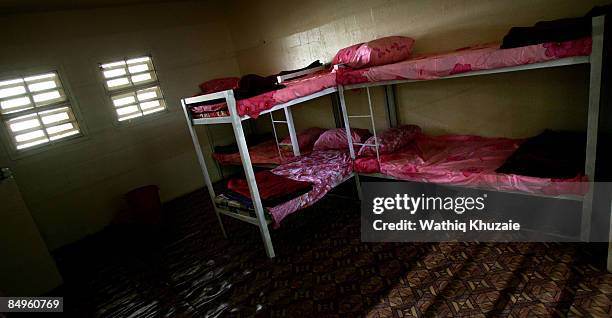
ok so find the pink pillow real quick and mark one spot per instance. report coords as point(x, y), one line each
point(336, 138)
point(381, 51)
point(306, 138)
point(219, 84)
point(391, 140)
point(345, 55)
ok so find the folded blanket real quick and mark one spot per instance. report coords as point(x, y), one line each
point(248, 203)
point(252, 84)
point(270, 185)
point(223, 201)
point(547, 31)
point(550, 154)
point(233, 196)
point(560, 30)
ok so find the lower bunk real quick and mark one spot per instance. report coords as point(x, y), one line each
point(289, 187)
point(532, 166)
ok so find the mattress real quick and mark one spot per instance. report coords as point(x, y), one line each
point(476, 58)
point(265, 153)
point(465, 161)
point(296, 88)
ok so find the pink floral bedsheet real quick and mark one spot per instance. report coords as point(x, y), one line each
point(265, 153)
point(465, 161)
point(465, 60)
point(325, 169)
point(296, 88)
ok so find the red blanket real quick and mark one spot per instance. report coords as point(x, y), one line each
point(270, 185)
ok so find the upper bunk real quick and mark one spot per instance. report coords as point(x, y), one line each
point(471, 61)
point(319, 82)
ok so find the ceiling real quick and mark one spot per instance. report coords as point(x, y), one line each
point(22, 6)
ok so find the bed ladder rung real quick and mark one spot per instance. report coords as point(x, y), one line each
point(280, 121)
point(284, 144)
point(347, 118)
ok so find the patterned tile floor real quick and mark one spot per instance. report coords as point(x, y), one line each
point(186, 269)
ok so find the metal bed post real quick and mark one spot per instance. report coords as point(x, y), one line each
point(211, 142)
point(278, 149)
point(347, 126)
point(248, 171)
point(391, 105)
point(335, 103)
point(592, 123)
point(292, 135)
point(349, 137)
point(202, 162)
point(373, 124)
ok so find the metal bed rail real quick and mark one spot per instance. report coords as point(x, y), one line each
point(228, 120)
point(567, 61)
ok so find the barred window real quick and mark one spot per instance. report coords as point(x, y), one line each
point(133, 87)
point(35, 110)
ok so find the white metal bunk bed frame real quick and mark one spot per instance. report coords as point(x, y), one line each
point(236, 121)
point(595, 60)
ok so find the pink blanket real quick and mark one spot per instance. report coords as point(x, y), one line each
point(325, 169)
point(265, 153)
point(465, 60)
point(300, 87)
point(465, 161)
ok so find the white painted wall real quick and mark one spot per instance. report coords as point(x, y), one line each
point(75, 188)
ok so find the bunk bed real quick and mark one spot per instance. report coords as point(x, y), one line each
point(483, 60)
point(324, 169)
